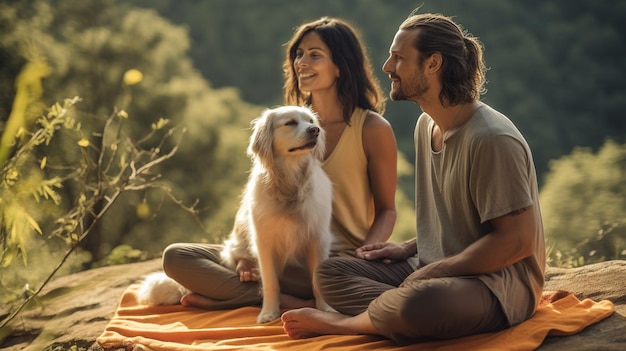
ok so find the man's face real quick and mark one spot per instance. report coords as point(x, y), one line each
point(404, 69)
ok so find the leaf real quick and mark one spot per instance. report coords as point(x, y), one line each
point(32, 223)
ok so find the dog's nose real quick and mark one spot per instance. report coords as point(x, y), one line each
point(313, 130)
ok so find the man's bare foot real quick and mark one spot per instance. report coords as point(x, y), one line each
point(196, 300)
point(289, 302)
point(309, 322)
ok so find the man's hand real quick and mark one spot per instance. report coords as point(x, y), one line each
point(247, 271)
point(386, 252)
point(434, 270)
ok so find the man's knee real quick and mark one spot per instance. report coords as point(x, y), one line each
point(436, 308)
point(342, 287)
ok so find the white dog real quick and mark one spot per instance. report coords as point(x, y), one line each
point(285, 210)
point(286, 206)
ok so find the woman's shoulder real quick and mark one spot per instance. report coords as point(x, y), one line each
point(377, 132)
point(374, 120)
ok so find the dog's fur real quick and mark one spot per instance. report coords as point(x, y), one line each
point(286, 206)
point(285, 210)
point(159, 289)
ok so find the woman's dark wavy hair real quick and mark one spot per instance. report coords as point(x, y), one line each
point(463, 68)
point(357, 85)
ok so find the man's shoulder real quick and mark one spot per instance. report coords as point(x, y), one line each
point(489, 122)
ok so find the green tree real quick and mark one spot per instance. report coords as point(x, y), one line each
point(584, 199)
point(89, 46)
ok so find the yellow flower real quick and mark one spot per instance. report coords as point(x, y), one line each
point(44, 160)
point(132, 77)
point(123, 114)
point(83, 142)
point(160, 124)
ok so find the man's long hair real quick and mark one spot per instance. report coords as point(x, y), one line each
point(463, 68)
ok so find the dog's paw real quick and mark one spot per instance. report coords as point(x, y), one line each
point(267, 316)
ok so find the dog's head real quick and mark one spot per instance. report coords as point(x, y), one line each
point(286, 131)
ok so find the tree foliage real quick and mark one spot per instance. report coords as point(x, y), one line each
point(104, 172)
point(21, 185)
point(89, 45)
point(584, 203)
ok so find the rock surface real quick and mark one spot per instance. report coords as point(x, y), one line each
point(74, 310)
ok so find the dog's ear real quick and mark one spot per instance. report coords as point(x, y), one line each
point(260, 146)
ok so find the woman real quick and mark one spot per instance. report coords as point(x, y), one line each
point(326, 68)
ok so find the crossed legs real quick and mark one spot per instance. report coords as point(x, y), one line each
point(371, 303)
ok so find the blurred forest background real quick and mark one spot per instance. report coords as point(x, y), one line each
point(169, 87)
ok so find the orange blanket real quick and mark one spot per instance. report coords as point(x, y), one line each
point(177, 328)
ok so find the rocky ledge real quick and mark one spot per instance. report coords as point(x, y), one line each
point(73, 310)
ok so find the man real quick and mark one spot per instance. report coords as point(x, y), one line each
point(478, 262)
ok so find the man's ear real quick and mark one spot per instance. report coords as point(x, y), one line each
point(434, 62)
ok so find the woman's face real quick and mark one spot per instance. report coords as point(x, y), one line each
point(314, 65)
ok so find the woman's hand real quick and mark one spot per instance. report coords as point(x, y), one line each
point(386, 252)
point(247, 270)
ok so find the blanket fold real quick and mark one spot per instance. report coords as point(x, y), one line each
point(178, 328)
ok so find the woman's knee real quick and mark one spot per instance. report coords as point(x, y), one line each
point(182, 258)
point(174, 257)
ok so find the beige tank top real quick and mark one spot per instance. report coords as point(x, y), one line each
point(353, 202)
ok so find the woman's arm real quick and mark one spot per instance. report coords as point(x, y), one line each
point(379, 144)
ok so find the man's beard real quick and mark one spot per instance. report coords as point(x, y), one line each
point(417, 91)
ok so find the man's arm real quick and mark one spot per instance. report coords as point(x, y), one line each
point(512, 239)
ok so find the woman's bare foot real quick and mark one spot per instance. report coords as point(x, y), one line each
point(196, 300)
point(289, 302)
point(309, 322)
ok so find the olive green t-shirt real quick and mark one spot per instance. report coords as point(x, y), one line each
point(484, 170)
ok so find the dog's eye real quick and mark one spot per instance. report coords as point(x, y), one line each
point(291, 123)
